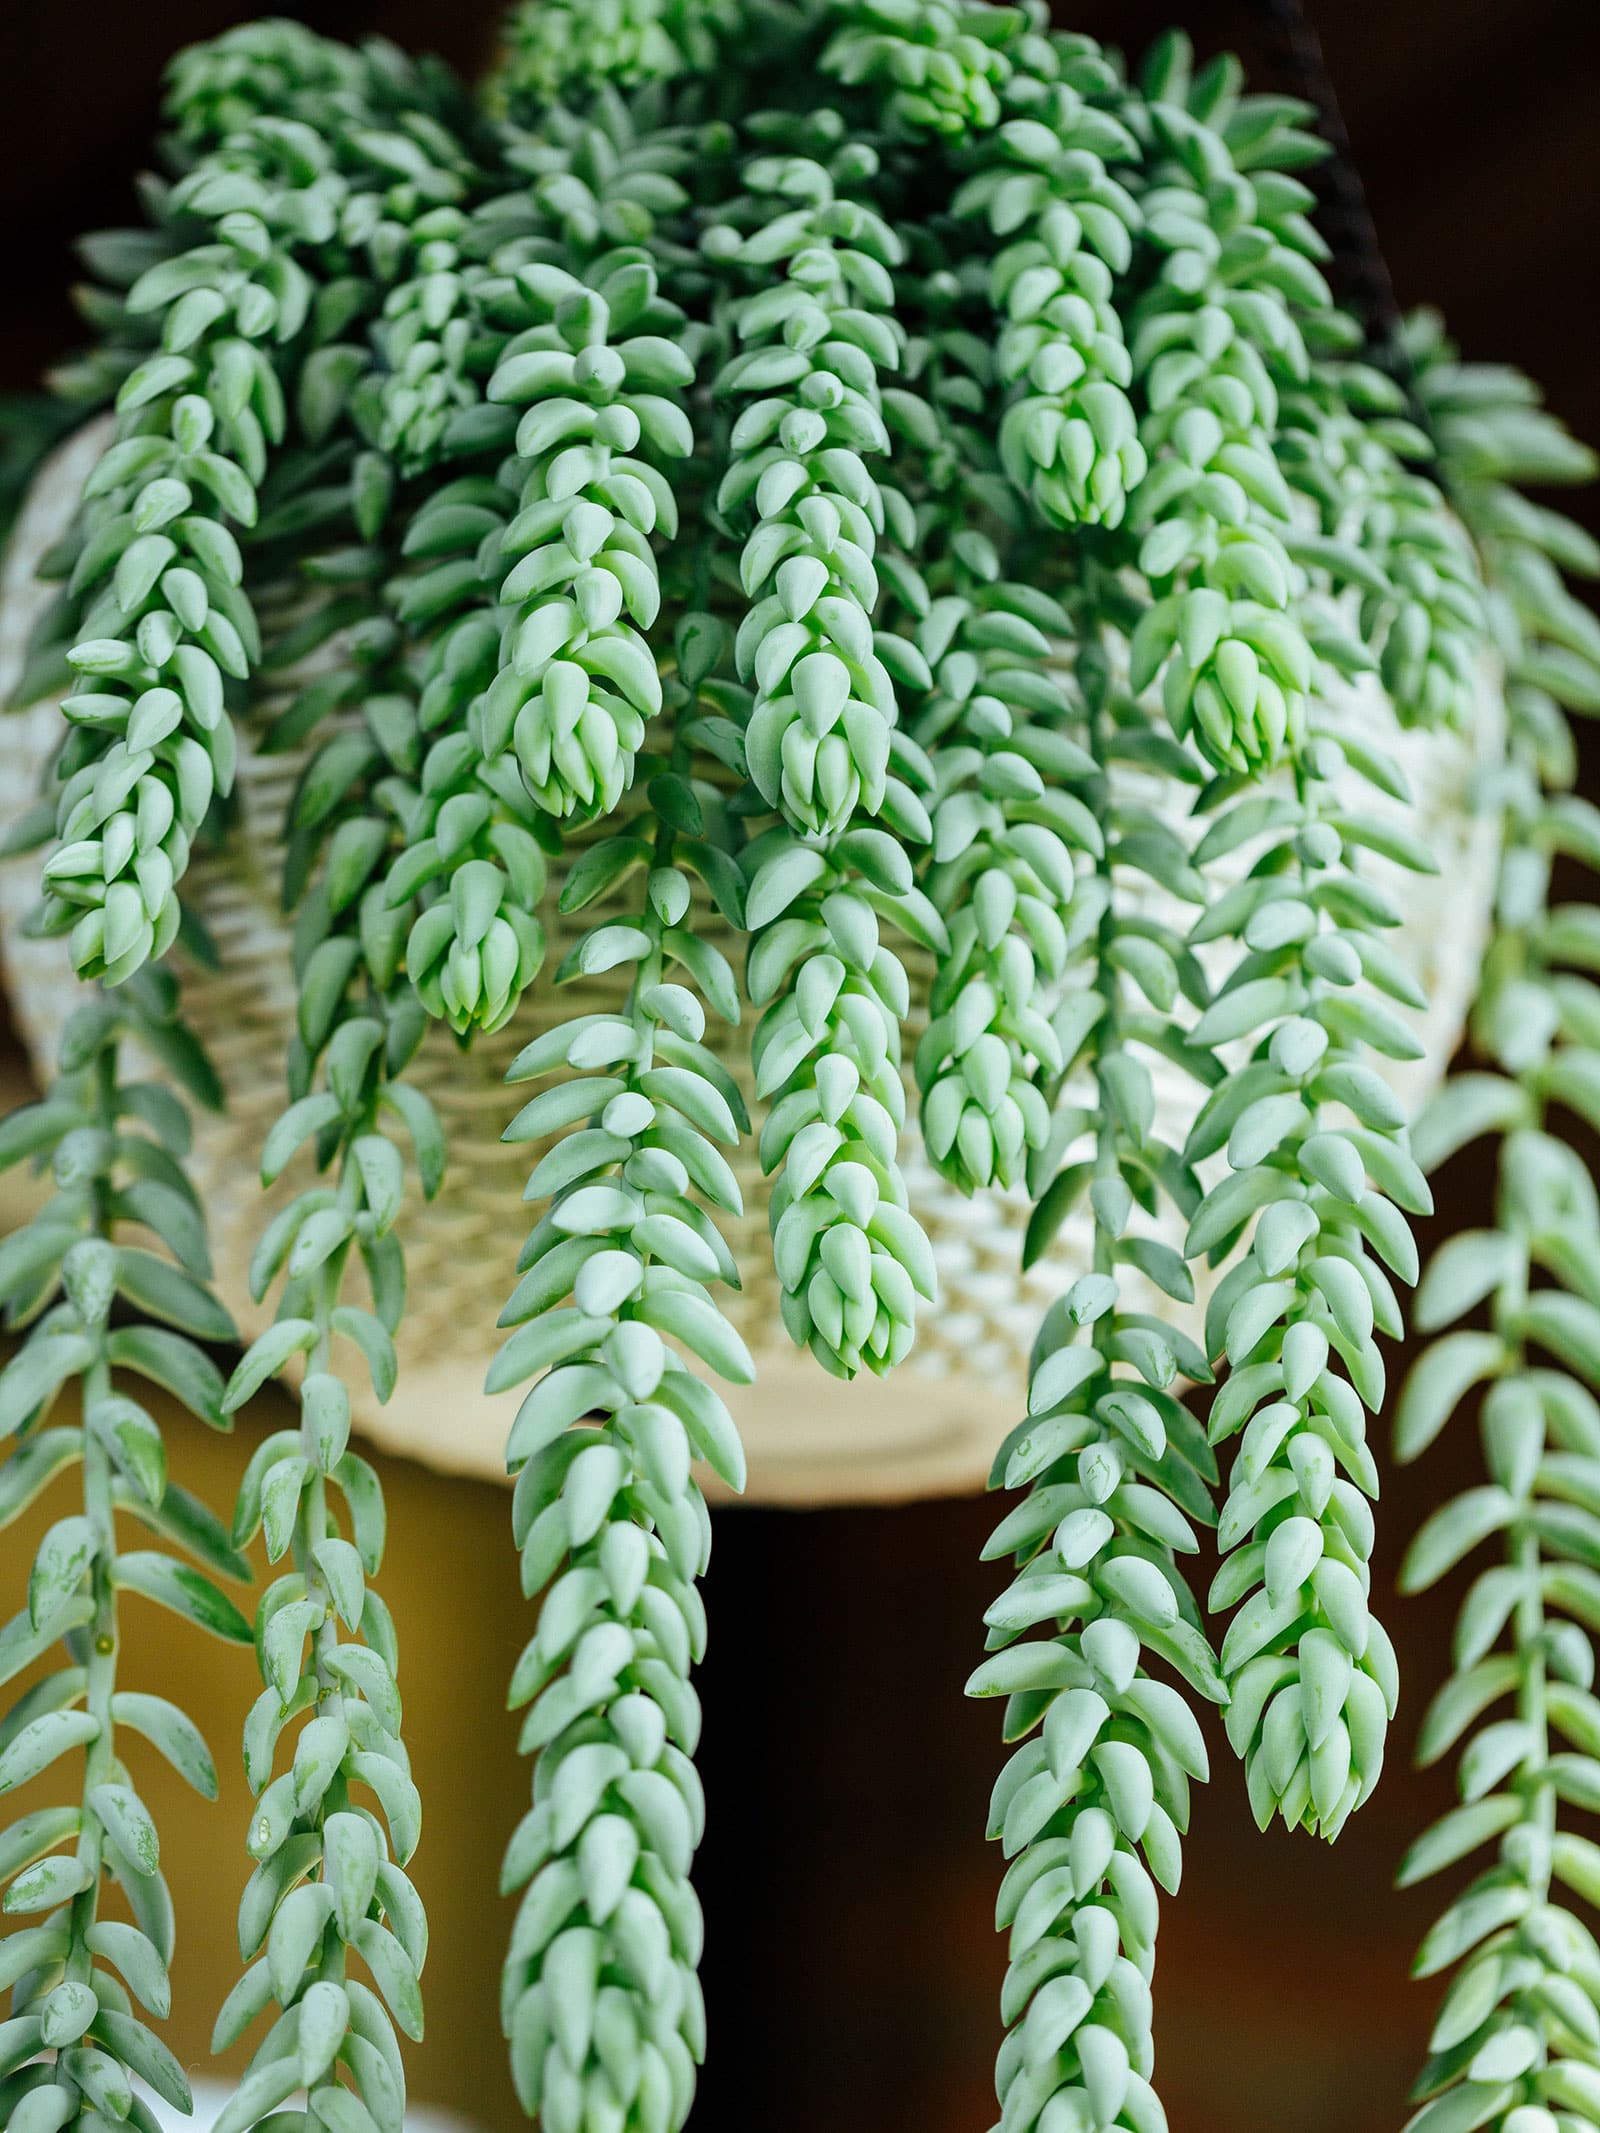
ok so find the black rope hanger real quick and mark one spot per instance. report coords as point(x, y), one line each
point(1291, 46)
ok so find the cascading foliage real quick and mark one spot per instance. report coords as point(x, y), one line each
point(876, 505)
point(102, 1312)
point(1517, 2039)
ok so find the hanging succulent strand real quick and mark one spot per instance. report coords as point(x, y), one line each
point(1014, 104)
point(1224, 635)
point(154, 738)
point(1068, 438)
point(1311, 1672)
point(330, 1877)
point(1348, 443)
point(538, 689)
point(972, 419)
point(822, 744)
point(74, 2045)
point(577, 682)
point(601, 2001)
point(1515, 2041)
point(1311, 1675)
point(1002, 865)
point(1118, 1471)
point(466, 875)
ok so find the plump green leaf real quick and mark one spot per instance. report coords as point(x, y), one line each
point(170, 1730)
point(174, 1363)
point(1438, 1383)
point(185, 1591)
point(265, 1357)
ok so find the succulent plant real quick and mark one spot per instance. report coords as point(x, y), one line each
point(793, 463)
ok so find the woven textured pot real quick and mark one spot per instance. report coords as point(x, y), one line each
point(930, 1428)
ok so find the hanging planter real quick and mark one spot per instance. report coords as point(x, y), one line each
point(826, 592)
point(930, 1428)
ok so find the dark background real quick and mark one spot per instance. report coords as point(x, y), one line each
point(851, 1971)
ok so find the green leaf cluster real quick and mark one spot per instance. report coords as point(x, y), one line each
point(601, 2001)
point(870, 502)
point(109, 1291)
point(1517, 2038)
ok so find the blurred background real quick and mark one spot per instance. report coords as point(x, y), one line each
point(852, 1971)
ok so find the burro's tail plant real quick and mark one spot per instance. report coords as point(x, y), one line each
point(101, 1313)
point(1517, 2039)
point(875, 505)
point(601, 2000)
point(1091, 1808)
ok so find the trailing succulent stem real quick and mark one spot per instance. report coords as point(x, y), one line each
point(1005, 844)
point(1349, 445)
point(942, 395)
point(330, 1879)
point(74, 2045)
point(600, 380)
point(1068, 436)
point(1090, 1812)
point(434, 859)
point(1318, 1158)
point(822, 745)
point(989, 715)
point(1517, 2039)
point(601, 2001)
point(1211, 335)
point(237, 326)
